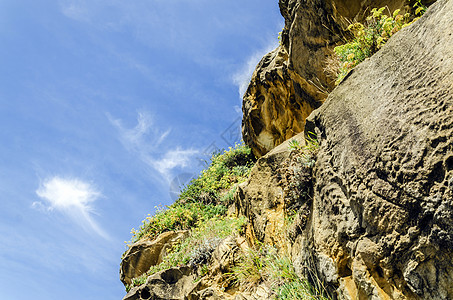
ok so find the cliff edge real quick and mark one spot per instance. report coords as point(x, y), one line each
point(357, 206)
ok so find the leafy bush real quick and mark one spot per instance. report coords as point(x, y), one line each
point(176, 217)
point(225, 170)
point(369, 38)
point(204, 197)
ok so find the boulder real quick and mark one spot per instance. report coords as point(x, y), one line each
point(146, 253)
point(172, 284)
point(186, 282)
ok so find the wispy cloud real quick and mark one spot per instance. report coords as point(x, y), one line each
point(242, 77)
point(146, 140)
point(72, 197)
point(172, 159)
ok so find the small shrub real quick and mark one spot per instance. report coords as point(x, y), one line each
point(226, 169)
point(369, 38)
point(308, 151)
point(228, 197)
point(249, 271)
point(311, 149)
point(294, 145)
point(176, 217)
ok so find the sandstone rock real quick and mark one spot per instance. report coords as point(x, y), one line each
point(172, 284)
point(146, 253)
point(186, 283)
point(262, 199)
point(276, 103)
point(383, 205)
point(290, 82)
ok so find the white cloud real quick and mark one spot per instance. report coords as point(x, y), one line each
point(146, 140)
point(242, 77)
point(73, 197)
point(173, 159)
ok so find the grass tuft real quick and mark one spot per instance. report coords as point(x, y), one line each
point(265, 265)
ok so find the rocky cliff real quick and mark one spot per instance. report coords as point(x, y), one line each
point(379, 224)
point(365, 211)
point(290, 82)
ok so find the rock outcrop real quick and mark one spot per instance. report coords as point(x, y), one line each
point(146, 253)
point(172, 284)
point(379, 224)
point(290, 82)
point(184, 282)
point(383, 210)
point(265, 198)
point(372, 214)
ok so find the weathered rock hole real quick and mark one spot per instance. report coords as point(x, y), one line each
point(335, 210)
point(171, 276)
point(437, 141)
point(256, 123)
point(145, 294)
point(438, 172)
point(344, 270)
point(425, 220)
point(449, 163)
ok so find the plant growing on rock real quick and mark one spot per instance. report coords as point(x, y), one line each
point(196, 250)
point(201, 208)
point(264, 264)
point(369, 38)
point(204, 197)
point(225, 170)
point(420, 9)
point(176, 217)
point(308, 151)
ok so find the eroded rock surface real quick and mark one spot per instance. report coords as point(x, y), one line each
point(379, 224)
point(290, 82)
point(173, 284)
point(146, 253)
point(186, 282)
point(263, 198)
point(382, 216)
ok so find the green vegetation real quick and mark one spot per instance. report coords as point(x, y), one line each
point(280, 41)
point(225, 170)
point(196, 250)
point(420, 9)
point(204, 198)
point(176, 217)
point(369, 38)
point(200, 208)
point(308, 151)
point(294, 145)
point(264, 264)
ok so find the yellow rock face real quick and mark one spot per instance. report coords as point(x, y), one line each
point(291, 81)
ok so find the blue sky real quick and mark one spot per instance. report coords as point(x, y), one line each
point(103, 103)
